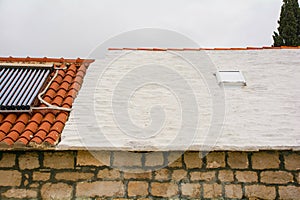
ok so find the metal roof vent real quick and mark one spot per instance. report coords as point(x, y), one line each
point(20, 84)
point(234, 78)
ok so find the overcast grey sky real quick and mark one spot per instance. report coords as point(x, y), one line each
point(73, 28)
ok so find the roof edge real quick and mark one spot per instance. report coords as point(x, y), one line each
point(45, 59)
point(199, 49)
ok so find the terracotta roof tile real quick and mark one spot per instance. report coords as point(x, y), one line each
point(1, 117)
point(75, 86)
point(42, 133)
point(58, 78)
point(62, 92)
point(50, 93)
point(57, 126)
point(71, 73)
point(51, 141)
point(65, 85)
point(49, 117)
point(73, 68)
point(21, 142)
point(11, 118)
point(62, 117)
point(54, 85)
point(36, 140)
point(24, 117)
point(7, 142)
point(37, 118)
point(5, 127)
point(68, 79)
point(80, 74)
point(27, 135)
point(68, 102)
point(54, 135)
point(44, 127)
point(14, 135)
point(82, 68)
point(57, 101)
point(61, 73)
point(72, 94)
point(78, 79)
point(19, 127)
point(2, 135)
point(32, 127)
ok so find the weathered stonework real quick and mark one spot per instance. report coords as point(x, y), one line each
point(81, 175)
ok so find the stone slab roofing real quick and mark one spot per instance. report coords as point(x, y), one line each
point(42, 128)
point(263, 115)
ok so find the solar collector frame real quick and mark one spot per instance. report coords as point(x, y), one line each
point(20, 84)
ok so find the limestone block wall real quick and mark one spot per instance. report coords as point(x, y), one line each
point(149, 175)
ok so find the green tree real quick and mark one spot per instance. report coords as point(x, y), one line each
point(289, 25)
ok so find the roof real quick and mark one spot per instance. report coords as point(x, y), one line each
point(43, 127)
point(264, 115)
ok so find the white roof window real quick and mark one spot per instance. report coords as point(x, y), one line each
point(229, 77)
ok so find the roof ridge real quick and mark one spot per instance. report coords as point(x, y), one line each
point(45, 59)
point(199, 49)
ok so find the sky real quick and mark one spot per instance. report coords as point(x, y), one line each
point(74, 28)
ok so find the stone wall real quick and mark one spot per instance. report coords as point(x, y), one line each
point(161, 175)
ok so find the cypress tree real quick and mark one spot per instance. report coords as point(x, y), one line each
point(289, 25)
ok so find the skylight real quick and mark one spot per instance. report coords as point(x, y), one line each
point(231, 78)
point(20, 84)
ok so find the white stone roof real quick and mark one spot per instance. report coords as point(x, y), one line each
point(264, 115)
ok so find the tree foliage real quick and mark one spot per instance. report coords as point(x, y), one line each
point(289, 25)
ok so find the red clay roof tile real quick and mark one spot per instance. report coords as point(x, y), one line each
point(73, 68)
point(54, 135)
point(78, 79)
point(37, 118)
point(72, 94)
point(54, 85)
point(49, 117)
point(57, 126)
point(19, 127)
point(50, 141)
point(11, 118)
point(2, 135)
point(62, 117)
point(5, 127)
point(32, 127)
point(58, 79)
point(44, 127)
point(21, 142)
point(7, 142)
point(71, 73)
point(75, 86)
point(62, 92)
point(65, 85)
point(57, 101)
point(13, 135)
point(61, 73)
point(36, 140)
point(39, 137)
point(80, 74)
point(68, 79)
point(27, 135)
point(68, 102)
point(50, 93)
point(24, 117)
point(82, 68)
